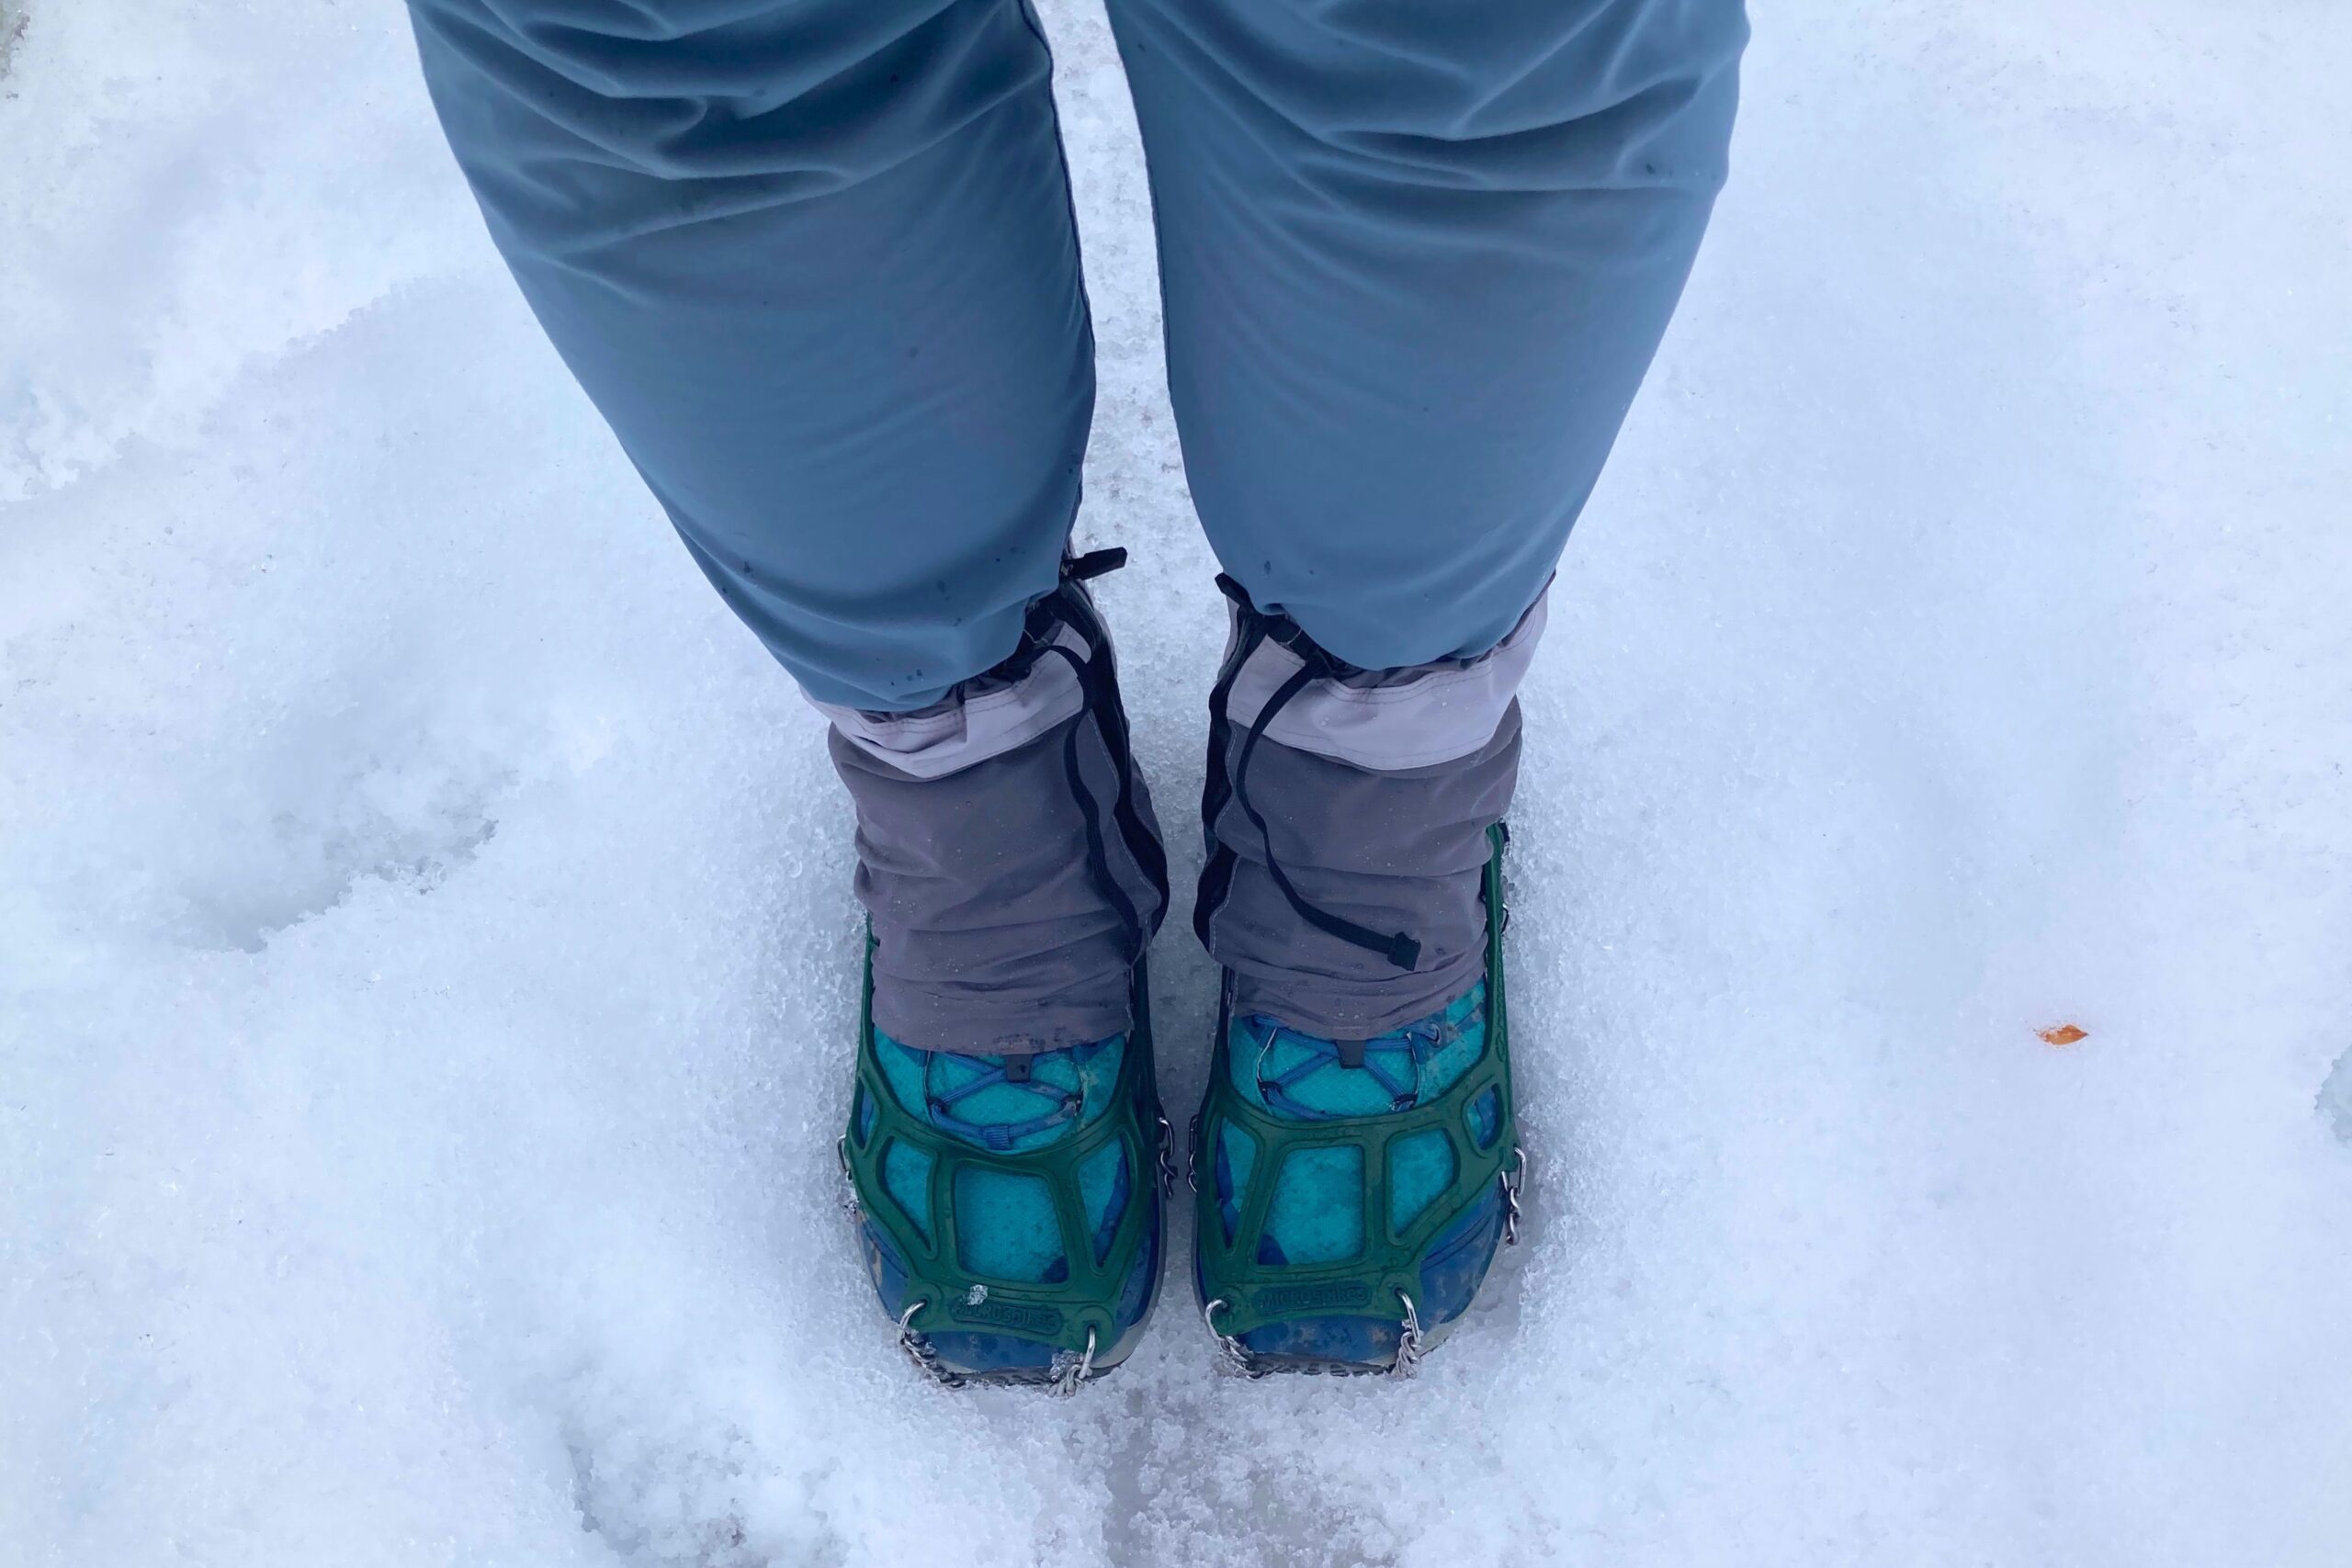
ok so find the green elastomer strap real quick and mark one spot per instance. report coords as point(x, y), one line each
point(1258, 1293)
point(1058, 1313)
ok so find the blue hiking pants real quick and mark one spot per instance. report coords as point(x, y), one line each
point(814, 260)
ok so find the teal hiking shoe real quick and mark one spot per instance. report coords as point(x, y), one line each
point(1351, 1195)
point(1010, 1207)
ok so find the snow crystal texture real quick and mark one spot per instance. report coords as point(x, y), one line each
point(427, 964)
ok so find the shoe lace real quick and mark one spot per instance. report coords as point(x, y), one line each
point(1396, 1061)
point(940, 1100)
point(1098, 683)
point(1399, 948)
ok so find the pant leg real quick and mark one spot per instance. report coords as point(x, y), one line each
point(814, 261)
point(1416, 259)
point(815, 264)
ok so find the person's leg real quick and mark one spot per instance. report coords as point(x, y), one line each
point(1416, 260)
point(814, 261)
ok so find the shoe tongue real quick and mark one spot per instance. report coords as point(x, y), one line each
point(1339, 1077)
point(1021, 1102)
point(1356, 1077)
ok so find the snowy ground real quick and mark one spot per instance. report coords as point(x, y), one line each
point(407, 870)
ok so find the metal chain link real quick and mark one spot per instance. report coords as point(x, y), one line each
point(1408, 1342)
point(1513, 1180)
point(1068, 1369)
point(850, 1204)
point(1233, 1357)
point(918, 1350)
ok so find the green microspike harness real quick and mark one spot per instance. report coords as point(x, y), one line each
point(1475, 1116)
point(1093, 1315)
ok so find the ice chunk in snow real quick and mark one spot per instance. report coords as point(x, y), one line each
point(2335, 1097)
point(12, 29)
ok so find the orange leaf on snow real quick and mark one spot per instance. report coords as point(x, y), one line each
point(2065, 1035)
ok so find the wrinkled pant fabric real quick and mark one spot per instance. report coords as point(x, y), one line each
point(815, 262)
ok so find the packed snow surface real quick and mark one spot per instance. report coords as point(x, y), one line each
point(427, 962)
